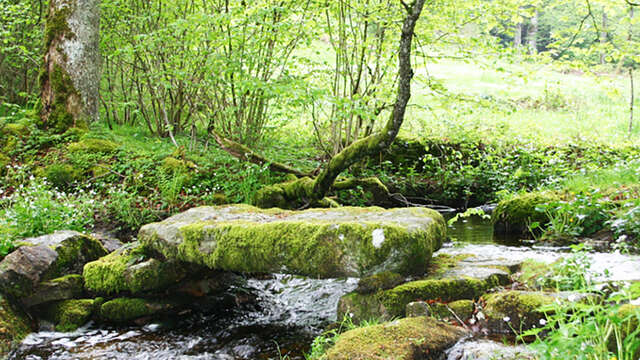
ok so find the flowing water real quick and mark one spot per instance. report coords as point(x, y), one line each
point(291, 311)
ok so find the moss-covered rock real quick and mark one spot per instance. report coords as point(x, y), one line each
point(455, 310)
point(382, 281)
point(292, 194)
point(518, 311)
point(62, 175)
point(404, 339)
point(14, 326)
point(129, 269)
point(127, 309)
point(173, 165)
point(318, 242)
point(44, 258)
point(11, 144)
point(392, 303)
point(74, 250)
point(4, 162)
point(93, 146)
point(23, 269)
point(15, 130)
point(68, 315)
point(514, 215)
point(62, 288)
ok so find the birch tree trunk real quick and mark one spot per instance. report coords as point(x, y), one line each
point(532, 35)
point(70, 77)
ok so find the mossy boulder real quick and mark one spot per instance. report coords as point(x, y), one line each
point(392, 303)
point(455, 310)
point(514, 215)
point(14, 129)
point(173, 165)
point(290, 195)
point(62, 288)
point(4, 161)
point(61, 175)
point(23, 269)
point(450, 278)
point(93, 146)
point(68, 315)
point(130, 269)
point(517, 311)
point(123, 310)
point(404, 339)
point(381, 281)
point(45, 258)
point(74, 250)
point(321, 243)
point(14, 325)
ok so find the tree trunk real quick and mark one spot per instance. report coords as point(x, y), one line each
point(532, 35)
point(377, 142)
point(70, 78)
point(603, 36)
point(631, 87)
point(631, 101)
point(517, 36)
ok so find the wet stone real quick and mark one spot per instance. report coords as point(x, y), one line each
point(320, 243)
point(67, 287)
point(22, 270)
point(488, 350)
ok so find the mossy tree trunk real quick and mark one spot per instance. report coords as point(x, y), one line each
point(379, 141)
point(305, 191)
point(70, 77)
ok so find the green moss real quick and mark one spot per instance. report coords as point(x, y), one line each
point(392, 303)
point(290, 195)
point(520, 309)
point(535, 274)
point(443, 262)
point(463, 310)
point(60, 117)
point(68, 315)
point(62, 175)
point(93, 146)
point(4, 161)
point(98, 171)
point(395, 300)
point(404, 339)
point(15, 130)
point(381, 281)
point(514, 215)
point(129, 270)
point(629, 317)
point(10, 144)
point(75, 252)
point(127, 309)
point(57, 26)
point(14, 325)
point(303, 248)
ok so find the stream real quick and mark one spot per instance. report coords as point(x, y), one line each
point(291, 311)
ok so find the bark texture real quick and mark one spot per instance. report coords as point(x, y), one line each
point(70, 77)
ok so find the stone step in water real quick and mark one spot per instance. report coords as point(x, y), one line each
point(320, 243)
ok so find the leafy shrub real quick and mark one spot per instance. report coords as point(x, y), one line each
point(582, 216)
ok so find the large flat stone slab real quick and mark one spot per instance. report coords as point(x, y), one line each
point(322, 243)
